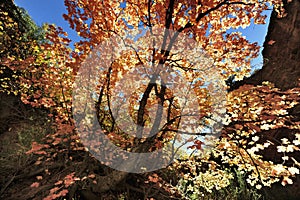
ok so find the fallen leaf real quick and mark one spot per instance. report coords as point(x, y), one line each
point(35, 185)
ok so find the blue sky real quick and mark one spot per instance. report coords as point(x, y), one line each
point(51, 11)
point(48, 11)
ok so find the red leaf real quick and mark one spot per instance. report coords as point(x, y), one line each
point(197, 145)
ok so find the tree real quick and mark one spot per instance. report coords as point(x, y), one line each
point(169, 27)
point(19, 39)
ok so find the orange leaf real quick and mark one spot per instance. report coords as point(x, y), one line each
point(271, 42)
point(58, 182)
point(35, 185)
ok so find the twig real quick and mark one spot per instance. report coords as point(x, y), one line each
point(7, 184)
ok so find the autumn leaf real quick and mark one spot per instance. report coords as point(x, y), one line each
point(197, 144)
point(271, 42)
point(35, 185)
point(153, 178)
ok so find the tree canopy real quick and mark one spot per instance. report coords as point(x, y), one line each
point(145, 92)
